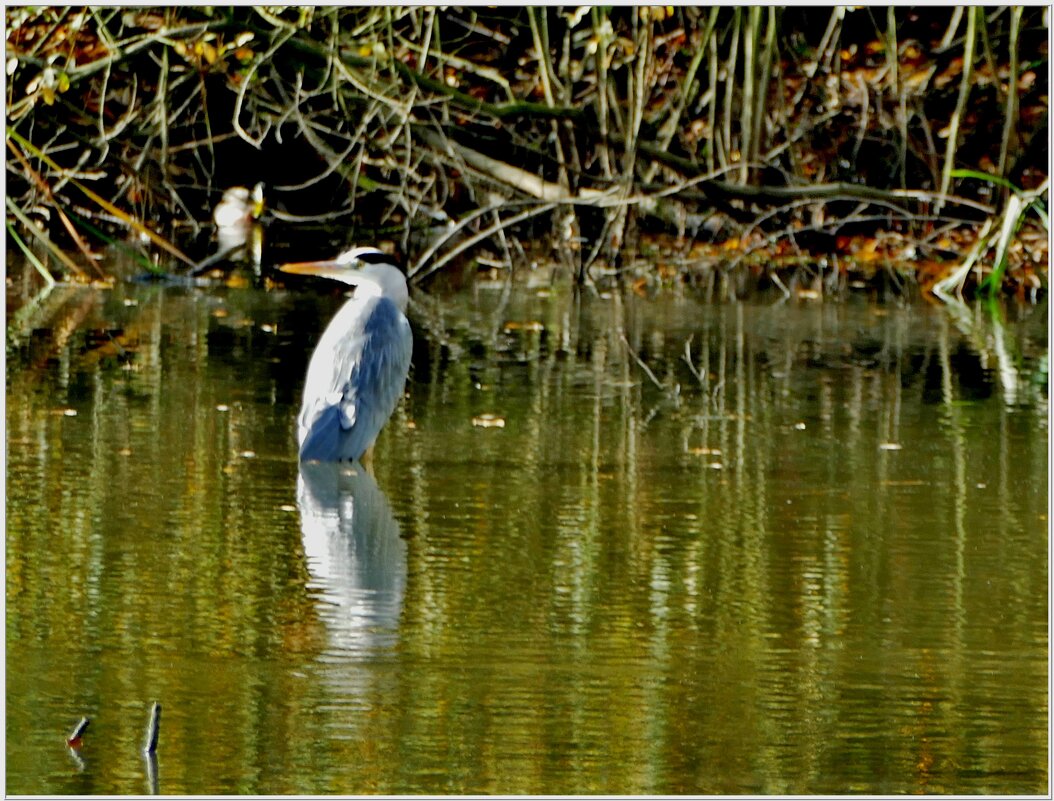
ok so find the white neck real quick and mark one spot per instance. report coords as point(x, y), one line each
point(380, 281)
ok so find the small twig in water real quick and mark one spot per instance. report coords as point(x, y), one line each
point(74, 740)
point(153, 729)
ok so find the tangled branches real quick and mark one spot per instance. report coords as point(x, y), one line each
point(447, 130)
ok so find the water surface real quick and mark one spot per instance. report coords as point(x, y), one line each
point(609, 544)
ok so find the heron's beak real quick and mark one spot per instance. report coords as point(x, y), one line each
point(328, 268)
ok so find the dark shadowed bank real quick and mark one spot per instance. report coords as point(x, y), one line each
point(816, 149)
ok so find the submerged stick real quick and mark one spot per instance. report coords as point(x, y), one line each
point(152, 729)
point(74, 740)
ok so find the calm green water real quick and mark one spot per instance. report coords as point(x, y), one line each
point(815, 561)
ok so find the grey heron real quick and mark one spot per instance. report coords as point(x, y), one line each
point(358, 370)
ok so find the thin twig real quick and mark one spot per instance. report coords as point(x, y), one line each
point(153, 729)
point(73, 741)
point(965, 85)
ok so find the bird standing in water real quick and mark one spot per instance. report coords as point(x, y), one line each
point(239, 234)
point(239, 207)
point(358, 370)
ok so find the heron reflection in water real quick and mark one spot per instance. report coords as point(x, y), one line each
point(355, 556)
point(358, 370)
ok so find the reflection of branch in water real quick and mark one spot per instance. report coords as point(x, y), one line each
point(1007, 369)
point(152, 781)
point(988, 345)
point(355, 556)
point(62, 311)
point(641, 364)
point(78, 760)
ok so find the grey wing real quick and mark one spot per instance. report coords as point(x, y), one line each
point(357, 375)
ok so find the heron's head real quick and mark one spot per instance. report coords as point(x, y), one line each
point(372, 270)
